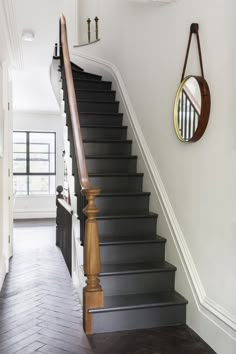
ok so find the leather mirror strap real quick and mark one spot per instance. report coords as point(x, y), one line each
point(194, 29)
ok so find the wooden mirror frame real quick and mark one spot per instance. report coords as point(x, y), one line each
point(205, 109)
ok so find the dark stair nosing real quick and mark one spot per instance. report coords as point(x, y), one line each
point(102, 113)
point(134, 301)
point(107, 141)
point(90, 81)
point(134, 268)
point(123, 194)
point(111, 157)
point(99, 101)
point(107, 241)
point(103, 126)
point(148, 215)
point(94, 90)
point(115, 174)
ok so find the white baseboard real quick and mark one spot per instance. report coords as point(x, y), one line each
point(34, 214)
point(218, 325)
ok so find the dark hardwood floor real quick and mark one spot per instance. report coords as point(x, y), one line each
point(39, 308)
point(40, 311)
point(168, 340)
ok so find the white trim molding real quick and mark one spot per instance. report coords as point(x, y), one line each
point(34, 213)
point(2, 271)
point(212, 311)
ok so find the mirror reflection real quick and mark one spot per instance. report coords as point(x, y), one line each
point(189, 107)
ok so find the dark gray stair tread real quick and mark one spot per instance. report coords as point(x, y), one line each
point(134, 301)
point(101, 114)
point(117, 141)
point(103, 126)
point(117, 240)
point(110, 157)
point(115, 174)
point(131, 268)
point(84, 80)
point(94, 90)
point(98, 101)
point(123, 194)
point(127, 216)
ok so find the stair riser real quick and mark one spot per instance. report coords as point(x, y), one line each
point(98, 107)
point(118, 184)
point(104, 133)
point(95, 96)
point(90, 119)
point(123, 204)
point(77, 75)
point(127, 227)
point(142, 283)
point(101, 149)
point(91, 85)
point(111, 165)
point(139, 318)
point(132, 253)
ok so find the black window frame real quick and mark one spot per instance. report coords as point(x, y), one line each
point(28, 173)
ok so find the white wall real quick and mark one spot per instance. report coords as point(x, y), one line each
point(148, 50)
point(40, 206)
point(33, 90)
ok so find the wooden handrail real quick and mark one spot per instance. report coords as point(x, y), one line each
point(92, 292)
point(77, 136)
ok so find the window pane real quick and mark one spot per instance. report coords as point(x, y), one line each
point(19, 163)
point(44, 148)
point(41, 163)
point(41, 185)
point(19, 147)
point(19, 137)
point(39, 157)
point(42, 153)
point(46, 139)
point(20, 185)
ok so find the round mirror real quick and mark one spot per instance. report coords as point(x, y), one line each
point(192, 108)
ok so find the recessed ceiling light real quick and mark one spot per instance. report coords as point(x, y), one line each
point(27, 36)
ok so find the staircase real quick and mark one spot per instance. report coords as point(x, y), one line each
point(138, 284)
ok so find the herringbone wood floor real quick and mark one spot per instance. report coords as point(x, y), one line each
point(40, 312)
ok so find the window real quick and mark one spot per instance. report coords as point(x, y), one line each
point(34, 162)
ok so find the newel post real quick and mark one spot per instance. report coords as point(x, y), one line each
point(92, 292)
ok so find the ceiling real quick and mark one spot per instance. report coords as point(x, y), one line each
point(32, 90)
point(42, 17)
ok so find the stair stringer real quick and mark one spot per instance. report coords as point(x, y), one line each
point(212, 322)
